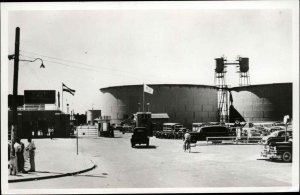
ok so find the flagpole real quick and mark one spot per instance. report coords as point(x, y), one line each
point(143, 97)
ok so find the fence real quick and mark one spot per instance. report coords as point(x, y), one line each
point(234, 139)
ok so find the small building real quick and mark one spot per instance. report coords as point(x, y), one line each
point(35, 123)
point(158, 119)
point(91, 115)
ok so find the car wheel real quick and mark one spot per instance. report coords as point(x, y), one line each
point(287, 157)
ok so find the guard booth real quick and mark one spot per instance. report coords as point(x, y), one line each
point(104, 127)
point(143, 119)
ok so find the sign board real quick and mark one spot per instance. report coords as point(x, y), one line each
point(20, 100)
point(39, 96)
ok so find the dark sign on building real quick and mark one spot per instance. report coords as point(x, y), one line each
point(20, 100)
point(39, 96)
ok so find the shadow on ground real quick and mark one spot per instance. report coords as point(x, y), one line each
point(100, 176)
point(146, 147)
point(272, 161)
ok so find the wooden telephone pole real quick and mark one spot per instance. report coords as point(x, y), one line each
point(14, 129)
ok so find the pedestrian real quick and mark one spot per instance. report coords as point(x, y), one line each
point(31, 149)
point(186, 139)
point(22, 159)
point(13, 169)
point(51, 132)
point(19, 155)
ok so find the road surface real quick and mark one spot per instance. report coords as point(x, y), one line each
point(165, 165)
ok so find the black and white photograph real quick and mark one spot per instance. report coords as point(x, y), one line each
point(125, 97)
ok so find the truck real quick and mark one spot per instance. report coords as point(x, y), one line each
point(142, 130)
point(171, 131)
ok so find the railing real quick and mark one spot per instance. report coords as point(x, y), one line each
point(234, 139)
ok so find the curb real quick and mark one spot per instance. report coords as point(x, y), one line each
point(52, 176)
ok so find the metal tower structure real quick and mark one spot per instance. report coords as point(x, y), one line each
point(220, 82)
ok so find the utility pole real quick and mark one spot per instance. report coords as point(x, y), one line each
point(14, 129)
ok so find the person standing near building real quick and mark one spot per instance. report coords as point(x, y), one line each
point(238, 129)
point(22, 159)
point(51, 132)
point(18, 154)
point(31, 149)
point(13, 169)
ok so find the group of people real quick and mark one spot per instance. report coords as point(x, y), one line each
point(17, 159)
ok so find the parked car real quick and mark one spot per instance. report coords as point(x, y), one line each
point(209, 131)
point(276, 136)
point(279, 151)
point(139, 136)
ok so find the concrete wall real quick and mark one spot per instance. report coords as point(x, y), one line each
point(183, 103)
point(263, 102)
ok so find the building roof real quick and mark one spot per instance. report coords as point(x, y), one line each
point(159, 115)
point(158, 85)
point(258, 85)
point(192, 85)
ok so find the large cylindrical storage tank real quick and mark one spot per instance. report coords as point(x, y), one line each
point(268, 102)
point(184, 103)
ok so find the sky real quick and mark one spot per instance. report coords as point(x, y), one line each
point(88, 49)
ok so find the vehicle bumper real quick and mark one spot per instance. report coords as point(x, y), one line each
point(270, 154)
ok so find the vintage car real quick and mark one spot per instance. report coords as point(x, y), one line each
point(209, 131)
point(139, 136)
point(279, 151)
point(276, 136)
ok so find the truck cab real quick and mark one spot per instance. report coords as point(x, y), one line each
point(139, 136)
point(143, 129)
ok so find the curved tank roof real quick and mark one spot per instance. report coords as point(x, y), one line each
point(240, 88)
point(159, 85)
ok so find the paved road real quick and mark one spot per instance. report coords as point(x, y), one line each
point(165, 165)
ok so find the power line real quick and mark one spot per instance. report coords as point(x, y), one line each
point(102, 67)
point(56, 58)
point(91, 69)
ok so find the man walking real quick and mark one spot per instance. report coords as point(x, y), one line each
point(186, 139)
point(51, 132)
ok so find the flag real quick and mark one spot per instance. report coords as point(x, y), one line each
point(67, 89)
point(148, 89)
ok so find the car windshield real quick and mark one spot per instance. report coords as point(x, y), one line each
point(274, 134)
point(139, 130)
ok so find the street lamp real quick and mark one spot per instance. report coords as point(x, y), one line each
point(16, 59)
point(11, 57)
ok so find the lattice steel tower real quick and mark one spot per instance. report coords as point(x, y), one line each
point(220, 82)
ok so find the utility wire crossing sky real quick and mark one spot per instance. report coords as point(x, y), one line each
point(91, 49)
